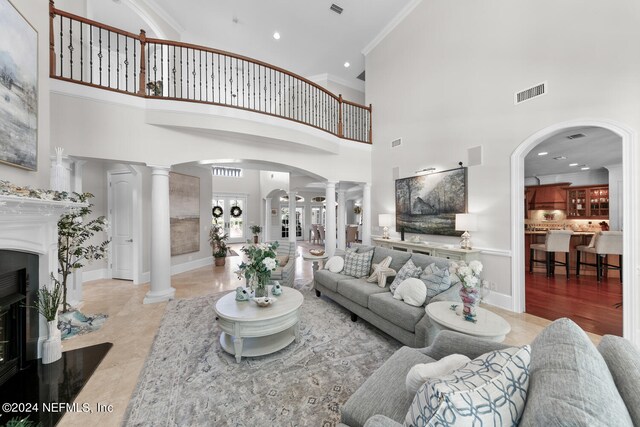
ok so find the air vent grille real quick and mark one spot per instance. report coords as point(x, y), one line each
point(576, 136)
point(337, 9)
point(396, 142)
point(361, 76)
point(532, 92)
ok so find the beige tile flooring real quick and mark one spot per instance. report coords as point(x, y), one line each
point(132, 326)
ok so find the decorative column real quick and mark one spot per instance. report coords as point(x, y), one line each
point(342, 219)
point(366, 214)
point(161, 289)
point(292, 216)
point(267, 220)
point(330, 221)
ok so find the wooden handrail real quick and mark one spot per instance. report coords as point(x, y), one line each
point(355, 104)
point(94, 23)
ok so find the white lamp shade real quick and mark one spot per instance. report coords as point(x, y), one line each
point(466, 222)
point(385, 220)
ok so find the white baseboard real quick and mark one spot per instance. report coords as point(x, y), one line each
point(499, 300)
point(88, 276)
point(144, 278)
point(191, 265)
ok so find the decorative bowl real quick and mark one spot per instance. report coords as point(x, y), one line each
point(316, 252)
point(264, 301)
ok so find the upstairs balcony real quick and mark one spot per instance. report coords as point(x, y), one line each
point(90, 53)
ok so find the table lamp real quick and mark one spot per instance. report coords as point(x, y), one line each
point(466, 222)
point(385, 221)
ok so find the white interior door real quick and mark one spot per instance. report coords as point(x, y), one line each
point(121, 188)
point(233, 219)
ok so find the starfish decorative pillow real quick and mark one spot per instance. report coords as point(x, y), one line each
point(381, 271)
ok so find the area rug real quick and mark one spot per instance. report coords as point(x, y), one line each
point(188, 380)
point(74, 323)
point(231, 252)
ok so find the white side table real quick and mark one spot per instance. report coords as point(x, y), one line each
point(249, 330)
point(488, 325)
point(315, 259)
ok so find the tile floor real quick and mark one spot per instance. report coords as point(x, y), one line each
point(132, 326)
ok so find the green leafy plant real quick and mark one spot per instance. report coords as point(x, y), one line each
point(261, 262)
point(255, 229)
point(75, 231)
point(49, 300)
point(218, 241)
point(22, 422)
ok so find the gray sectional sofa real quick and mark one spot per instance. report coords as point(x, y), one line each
point(572, 383)
point(408, 324)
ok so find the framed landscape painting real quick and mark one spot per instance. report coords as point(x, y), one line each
point(18, 89)
point(428, 204)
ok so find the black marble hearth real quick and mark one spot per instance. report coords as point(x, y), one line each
point(42, 392)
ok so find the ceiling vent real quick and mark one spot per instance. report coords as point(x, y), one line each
point(337, 9)
point(396, 142)
point(532, 92)
point(576, 136)
point(361, 76)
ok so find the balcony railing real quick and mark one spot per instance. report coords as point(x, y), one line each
point(94, 54)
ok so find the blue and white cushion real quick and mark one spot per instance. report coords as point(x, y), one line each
point(407, 271)
point(437, 281)
point(357, 264)
point(488, 391)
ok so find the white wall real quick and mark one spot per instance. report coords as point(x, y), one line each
point(444, 81)
point(37, 14)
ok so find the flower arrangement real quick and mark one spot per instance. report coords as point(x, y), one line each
point(469, 274)
point(257, 270)
point(469, 292)
point(9, 189)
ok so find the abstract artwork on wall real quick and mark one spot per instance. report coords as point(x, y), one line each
point(428, 204)
point(18, 89)
point(184, 210)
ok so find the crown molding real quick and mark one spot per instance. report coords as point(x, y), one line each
point(390, 26)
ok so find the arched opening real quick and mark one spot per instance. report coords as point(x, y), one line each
point(629, 176)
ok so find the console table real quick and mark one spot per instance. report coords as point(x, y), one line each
point(430, 248)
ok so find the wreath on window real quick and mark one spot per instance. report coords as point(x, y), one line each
point(236, 212)
point(217, 212)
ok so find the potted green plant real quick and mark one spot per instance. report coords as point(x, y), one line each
point(255, 229)
point(261, 261)
point(47, 304)
point(218, 241)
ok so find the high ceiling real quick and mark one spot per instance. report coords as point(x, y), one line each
point(314, 40)
point(598, 148)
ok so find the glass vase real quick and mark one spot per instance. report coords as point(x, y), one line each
point(261, 286)
point(470, 298)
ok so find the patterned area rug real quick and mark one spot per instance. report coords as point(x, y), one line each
point(231, 253)
point(188, 380)
point(75, 323)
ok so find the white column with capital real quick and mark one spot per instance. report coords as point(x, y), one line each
point(342, 219)
point(161, 289)
point(366, 214)
point(267, 220)
point(330, 220)
point(292, 216)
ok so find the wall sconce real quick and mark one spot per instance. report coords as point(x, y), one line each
point(425, 171)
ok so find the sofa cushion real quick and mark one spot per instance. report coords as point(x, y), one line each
point(489, 390)
point(412, 291)
point(358, 290)
point(437, 282)
point(357, 264)
point(423, 372)
point(423, 261)
point(623, 360)
point(335, 264)
point(328, 279)
point(376, 268)
point(408, 270)
point(396, 312)
point(383, 392)
point(570, 376)
point(398, 259)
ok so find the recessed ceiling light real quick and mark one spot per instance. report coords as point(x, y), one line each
point(276, 35)
point(560, 158)
point(584, 168)
point(573, 164)
point(542, 153)
point(347, 65)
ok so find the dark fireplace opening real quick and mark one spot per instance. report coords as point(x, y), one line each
point(19, 328)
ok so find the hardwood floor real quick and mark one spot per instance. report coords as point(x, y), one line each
point(582, 299)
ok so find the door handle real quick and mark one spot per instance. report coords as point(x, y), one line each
point(129, 240)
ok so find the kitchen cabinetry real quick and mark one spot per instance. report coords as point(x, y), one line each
point(549, 196)
point(588, 202)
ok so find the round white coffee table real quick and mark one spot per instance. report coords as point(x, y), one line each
point(489, 325)
point(249, 330)
point(315, 258)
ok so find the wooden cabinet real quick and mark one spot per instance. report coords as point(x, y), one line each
point(549, 196)
point(433, 249)
point(588, 202)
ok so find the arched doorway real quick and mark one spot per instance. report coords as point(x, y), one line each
point(629, 139)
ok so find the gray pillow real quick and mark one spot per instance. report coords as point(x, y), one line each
point(437, 281)
point(407, 271)
point(570, 383)
point(357, 264)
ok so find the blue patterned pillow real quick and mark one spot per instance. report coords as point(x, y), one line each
point(407, 271)
point(438, 281)
point(357, 264)
point(490, 390)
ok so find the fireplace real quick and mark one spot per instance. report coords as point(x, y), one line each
point(18, 320)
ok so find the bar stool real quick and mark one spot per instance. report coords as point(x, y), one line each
point(555, 241)
point(603, 243)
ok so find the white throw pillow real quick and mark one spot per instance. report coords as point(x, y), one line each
point(380, 272)
point(420, 374)
point(412, 291)
point(335, 264)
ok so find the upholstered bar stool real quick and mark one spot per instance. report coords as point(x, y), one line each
point(555, 241)
point(603, 243)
